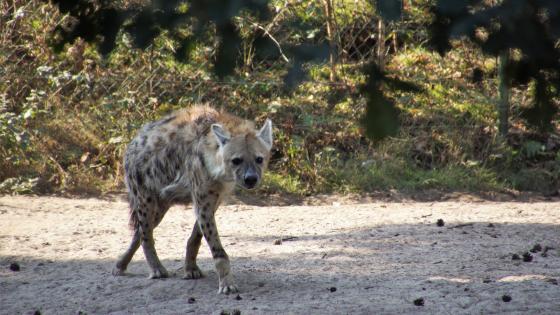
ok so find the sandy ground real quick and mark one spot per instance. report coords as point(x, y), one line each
point(375, 258)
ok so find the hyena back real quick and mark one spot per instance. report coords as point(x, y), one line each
point(197, 156)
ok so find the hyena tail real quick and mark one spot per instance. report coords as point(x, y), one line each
point(133, 222)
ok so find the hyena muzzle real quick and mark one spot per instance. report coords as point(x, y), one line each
point(197, 156)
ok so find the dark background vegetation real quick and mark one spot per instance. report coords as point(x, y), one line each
point(406, 95)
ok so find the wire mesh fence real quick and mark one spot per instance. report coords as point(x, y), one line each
point(29, 75)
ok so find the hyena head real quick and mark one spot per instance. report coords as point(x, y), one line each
point(244, 156)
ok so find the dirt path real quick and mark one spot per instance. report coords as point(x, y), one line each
point(340, 259)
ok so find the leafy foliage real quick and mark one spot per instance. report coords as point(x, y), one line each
point(101, 19)
point(66, 117)
point(532, 28)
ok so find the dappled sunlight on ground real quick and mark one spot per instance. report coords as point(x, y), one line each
point(361, 258)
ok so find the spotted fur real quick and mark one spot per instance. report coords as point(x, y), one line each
point(197, 156)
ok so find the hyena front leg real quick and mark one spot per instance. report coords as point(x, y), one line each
point(193, 245)
point(205, 205)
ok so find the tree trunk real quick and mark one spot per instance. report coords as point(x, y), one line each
point(504, 87)
point(329, 13)
point(381, 44)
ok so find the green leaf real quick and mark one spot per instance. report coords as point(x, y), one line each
point(115, 140)
point(29, 113)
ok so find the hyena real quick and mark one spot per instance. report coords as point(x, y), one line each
point(197, 156)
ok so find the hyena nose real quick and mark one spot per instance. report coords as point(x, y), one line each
point(251, 181)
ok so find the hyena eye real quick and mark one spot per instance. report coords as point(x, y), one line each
point(259, 160)
point(236, 161)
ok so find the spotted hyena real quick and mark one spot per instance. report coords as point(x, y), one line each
point(195, 155)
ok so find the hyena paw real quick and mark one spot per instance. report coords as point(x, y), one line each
point(228, 289)
point(227, 286)
point(118, 272)
point(193, 273)
point(159, 273)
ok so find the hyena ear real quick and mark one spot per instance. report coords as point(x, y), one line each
point(220, 134)
point(265, 134)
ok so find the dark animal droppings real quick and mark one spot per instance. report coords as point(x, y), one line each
point(238, 297)
point(536, 248)
point(527, 257)
point(14, 267)
point(440, 222)
point(332, 289)
point(506, 298)
point(191, 300)
point(552, 281)
point(419, 302)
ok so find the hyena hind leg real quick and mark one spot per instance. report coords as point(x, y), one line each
point(148, 221)
point(156, 268)
point(124, 260)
